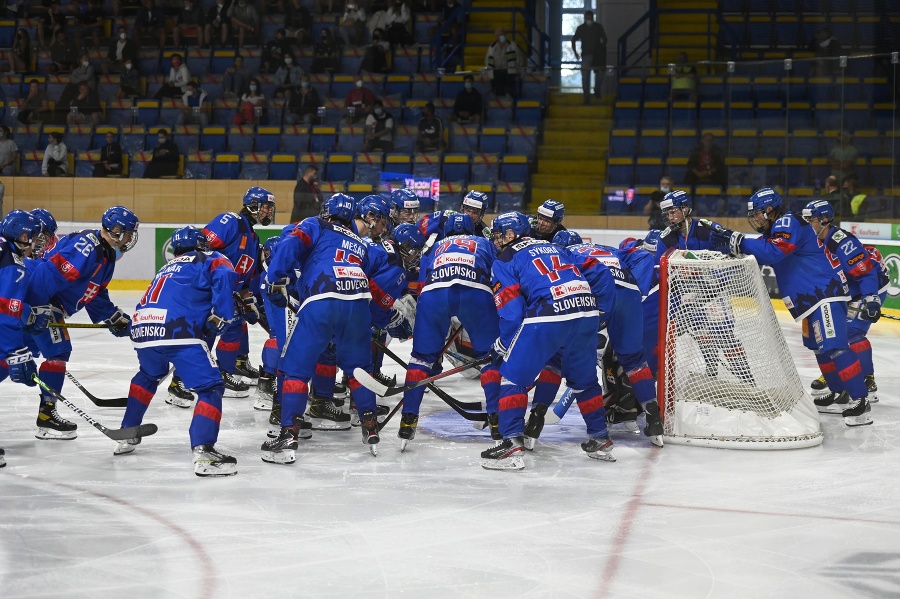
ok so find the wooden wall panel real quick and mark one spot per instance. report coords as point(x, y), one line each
point(93, 196)
point(53, 193)
point(165, 200)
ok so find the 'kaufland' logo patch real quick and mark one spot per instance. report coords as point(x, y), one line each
point(349, 272)
point(445, 259)
point(571, 288)
point(149, 315)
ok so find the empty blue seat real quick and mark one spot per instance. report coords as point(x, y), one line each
point(427, 166)
point(199, 165)
point(295, 139)
point(268, 139)
point(351, 140)
point(623, 142)
point(654, 142)
point(339, 167)
point(493, 140)
point(464, 138)
point(620, 171)
point(528, 113)
point(283, 167)
point(323, 139)
point(227, 165)
point(485, 167)
point(514, 168)
point(404, 138)
point(648, 170)
point(213, 138)
point(522, 140)
point(456, 168)
point(804, 142)
point(630, 88)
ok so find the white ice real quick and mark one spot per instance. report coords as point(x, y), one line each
point(691, 522)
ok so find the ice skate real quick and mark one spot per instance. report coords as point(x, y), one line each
point(832, 403)
point(126, 446)
point(819, 387)
point(178, 395)
point(369, 426)
point(872, 388)
point(857, 413)
point(282, 449)
point(654, 427)
point(245, 369)
point(494, 422)
point(265, 391)
point(534, 426)
point(209, 462)
point(51, 426)
point(504, 455)
point(2, 458)
point(382, 413)
point(407, 432)
point(325, 416)
point(599, 449)
point(274, 420)
point(387, 381)
point(234, 387)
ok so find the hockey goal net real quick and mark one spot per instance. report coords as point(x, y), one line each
point(726, 378)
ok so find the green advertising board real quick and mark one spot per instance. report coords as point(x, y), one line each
point(163, 251)
point(891, 256)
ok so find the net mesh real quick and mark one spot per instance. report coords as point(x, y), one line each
point(727, 376)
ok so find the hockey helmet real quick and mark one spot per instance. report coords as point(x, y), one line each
point(122, 225)
point(258, 198)
point(820, 209)
point(374, 207)
point(410, 241)
point(757, 205)
point(566, 237)
point(48, 230)
point(20, 229)
point(187, 239)
point(405, 204)
point(475, 204)
point(340, 207)
point(553, 210)
point(459, 224)
point(511, 221)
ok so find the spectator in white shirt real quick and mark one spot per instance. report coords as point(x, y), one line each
point(56, 161)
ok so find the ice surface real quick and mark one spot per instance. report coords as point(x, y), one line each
point(691, 522)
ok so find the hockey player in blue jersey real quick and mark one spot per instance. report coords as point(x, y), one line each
point(813, 288)
point(71, 276)
point(334, 292)
point(546, 307)
point(18, 233)
point(404, 206)
point(456, 282)
point(475, 204)
point(868, 288)
point(548, 221)
point(189, 302)
point(683, 232)
point(266, 385)
point(47, 237)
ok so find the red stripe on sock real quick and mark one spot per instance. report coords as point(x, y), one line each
point(228, 345)
point(512, 402)
point(294, 386)
point(204, 409)
point(326, 370)
point(414, 375)
point(850, 371)
point(590, 405)
point(548, 376)
point(53, 366)
point(140, 394)
point(861, 346)
point(642, 374)
point(491, 375)
point(827, 367)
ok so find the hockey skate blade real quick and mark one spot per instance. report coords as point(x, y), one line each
point(529, 443)
point(602, 456)
point(862, 420)
point(514, 463)
point(480, 425)
point(283, 457)
point(206, 470)
point(834, 409)
point(49, 434)
point(178, 402)
point(374, 450)
point(263, 404)
point(369, 382)
point(656, 440)
point(233, 394)
point(403, 444)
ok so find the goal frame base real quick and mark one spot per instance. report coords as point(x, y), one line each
point(749, 443)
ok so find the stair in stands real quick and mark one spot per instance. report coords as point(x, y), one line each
point(480, 28)
point(571, 164)
point(686, 32)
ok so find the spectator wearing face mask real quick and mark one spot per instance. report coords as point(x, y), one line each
point(303, 106)
point(469, 104)
point(188, 22)
point(165, 158)
point(236, 80)
point(307, 197)
point(358, 103)
point(56, 161)
point(287, 77)
point(9, 151)
point(83, 73)
point(652, 209)
point(129, 81)
point(193, 108)
point(379, 130)
point(253, 105)
point(176, 82)
point(375, 60)
point(121, 49)
point(503, 61)
point(274, 52)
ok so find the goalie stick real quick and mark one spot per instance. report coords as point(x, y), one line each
point(121, 434)
point(561, 407)
point(116, 402)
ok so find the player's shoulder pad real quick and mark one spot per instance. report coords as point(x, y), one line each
point(9, 257)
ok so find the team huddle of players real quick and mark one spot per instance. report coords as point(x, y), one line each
point(534, 303)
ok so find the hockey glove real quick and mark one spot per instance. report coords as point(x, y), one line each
point(498, 353)
point(120, 323)
point(277, 293)
point(399, 327)
point(246, 307)
point(21, 367)
point(214, 325)
point(38, 320)
point(871, 308)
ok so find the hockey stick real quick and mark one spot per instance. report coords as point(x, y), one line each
point(117, 402)
point(80, 325)
point(561, 407)
point(889, 317)
point(121, 434)
point(378, 388)
point(391, 415)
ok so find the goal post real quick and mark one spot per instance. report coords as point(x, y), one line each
point(726, 378)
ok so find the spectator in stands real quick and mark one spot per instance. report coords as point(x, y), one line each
point(121, 49)
point(832, 194)
point(274, 52)
point(9, 151)
point(84, 109)
point(170, 10)
point(252, 107)
point(652, 210)
point(52, 22)
point(503, 61)
point(194, 107)
point(176, 82)
point(452, 48)
point(236, 79)
point(303, 107)
point(64, 54)
point(165, 158)
point(307, 197)
point(110, 158)
point(83, 73)
point(188, 22)
point(379, 136)
point(287, 77)
point(326, 54)
point(593, 54)
point(827, 48)
point(684, 79)
point(842, 157)
point(376, 58)
point(469, 104)
point(244, 20)
point(129, 82)
point(398, 24)
point(150, 23)
point(706, 164)
point(91, 20)
point(298, 22)
point(431, 131)
point(853, 202)
point(217, 21)
point(35, 104)
point(358, 103)
point(56, 161)
point(19, 56)
point(353, 24)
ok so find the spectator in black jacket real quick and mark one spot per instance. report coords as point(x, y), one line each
point(110, 158)
point(217, 21)
point(165, 158)
point(304, 105)
point(307, 197)
point(122, 49)
point(469, 104)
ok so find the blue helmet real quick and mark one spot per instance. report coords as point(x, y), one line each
point(410, 241)
point(553, 210)
point(340, 207)
point(188, 238)
point(269, 247)
point(515, 221)
point(676, 199)
point(48, 230)
point(565, 238)
point(20, 229)
point(475, 201)
point(459, 224)
point(119, 220)
point(819, 209)
point(254, 199)
point(759, 202)
point(405, 203)
point(374, 207)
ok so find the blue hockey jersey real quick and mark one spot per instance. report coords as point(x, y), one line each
point(74, 275)
point(388, 281)
point(535, 281)
point(180, 298)
point(698, 239)
point(806, 276)
point(859, 268)
point(231, 234)
point(13, 286)
point(458, 260)
point(586, 257)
